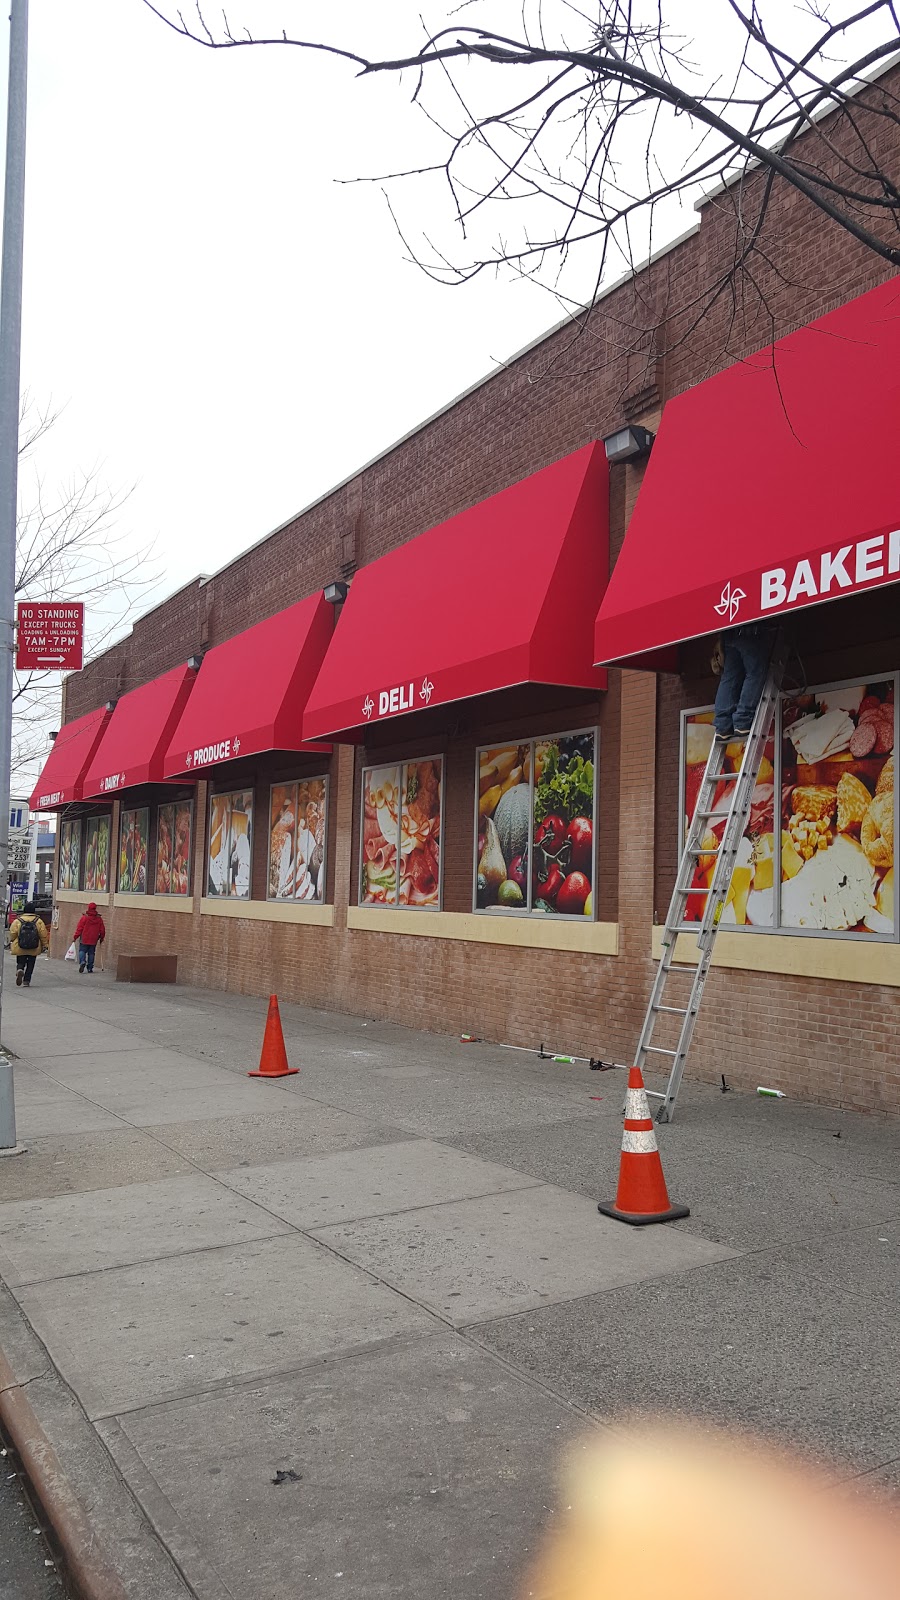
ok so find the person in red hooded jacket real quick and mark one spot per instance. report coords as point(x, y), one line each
point(90, 932)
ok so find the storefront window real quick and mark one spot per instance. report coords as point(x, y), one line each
point(535, 826)
point(827, 865)
point(134, 841)
point(174, 831)
point(297, 816)
point(400, 853)
point(70, 855)
point(229, 854)
point(96, 855)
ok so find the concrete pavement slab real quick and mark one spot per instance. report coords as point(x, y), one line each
point(800, 1344)
point(304, 1128)
point(440, 1104)
point(75, 1163)
point(746, 1192)
point(423, 1469)
point(476, 1259)
point(64, 1113)
point(145, 1065)
point(364, 1183)
point(75, 1233)
point(135, 1335)
point(154, 1105)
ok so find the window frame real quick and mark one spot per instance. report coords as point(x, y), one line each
point(294, 783)
point(528, 910)
point(98, 817)
point(132, 811)
point(173, 805)
point(401, 763)
point(777, 927)
point(71, 823)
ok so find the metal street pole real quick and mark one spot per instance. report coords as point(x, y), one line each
point(10, 359)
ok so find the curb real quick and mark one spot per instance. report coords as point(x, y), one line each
point(86, 1564)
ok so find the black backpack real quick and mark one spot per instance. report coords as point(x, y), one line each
point(29, 938)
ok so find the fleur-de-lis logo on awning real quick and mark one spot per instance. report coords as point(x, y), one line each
point(427, 690)
point(368, 706)
point(236, 745)
point(188, 758)
point(730, 603)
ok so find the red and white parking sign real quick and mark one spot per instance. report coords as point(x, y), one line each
point(50, 635)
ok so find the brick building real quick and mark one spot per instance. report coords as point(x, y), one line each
point(350, 860)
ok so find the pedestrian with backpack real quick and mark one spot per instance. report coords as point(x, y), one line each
point(27, 938)
point(89, 933)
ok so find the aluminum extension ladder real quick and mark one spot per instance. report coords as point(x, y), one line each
point(705, 813)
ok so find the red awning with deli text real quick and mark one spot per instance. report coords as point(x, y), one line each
point(500, 595)
point(771, 486)
point(251, 692)
point(138, 734)
point(73, 749)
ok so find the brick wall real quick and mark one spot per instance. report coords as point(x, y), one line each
point(643, 343)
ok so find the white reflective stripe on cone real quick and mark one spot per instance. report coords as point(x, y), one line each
point(639, 1144)
point(637, 1106)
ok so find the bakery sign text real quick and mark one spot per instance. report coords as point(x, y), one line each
point(401, 698)
point(847, 568)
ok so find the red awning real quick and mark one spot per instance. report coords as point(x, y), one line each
point(138, 734)
point(500, 595)
point(73, 749)
point(251, 692)
point(771, 486)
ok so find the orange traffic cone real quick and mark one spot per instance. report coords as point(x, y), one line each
point(642, 1195)
point(273, 1060)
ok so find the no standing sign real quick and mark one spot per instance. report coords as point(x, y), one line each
point(50, 636)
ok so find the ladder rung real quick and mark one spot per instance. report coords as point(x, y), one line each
point(708, 815)
point(698, 850)
point(677, 1011)
point(655, 1094)
point(657, 1050)
point(693, 891)
point(673, 968)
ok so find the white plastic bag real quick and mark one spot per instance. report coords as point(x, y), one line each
point(72, 953)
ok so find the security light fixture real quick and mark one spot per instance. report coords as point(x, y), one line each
point(628, 444)
point(111, 705)
point(195, 662)
point(336, 593)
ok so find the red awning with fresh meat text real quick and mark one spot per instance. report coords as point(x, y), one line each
point(771, 486)
point(73, 749)
point(251, 692)
point(138, 734)
point(501, 595)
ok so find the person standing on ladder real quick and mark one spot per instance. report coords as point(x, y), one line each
point(745, 654)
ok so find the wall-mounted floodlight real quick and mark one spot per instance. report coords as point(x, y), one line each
point(336, 593)
point(628, 444)
point(195, 662)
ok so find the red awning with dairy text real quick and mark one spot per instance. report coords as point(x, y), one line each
point(251, 692)
point(138, 734)
point(771, 486)
point(73, 749)
point(500, 595)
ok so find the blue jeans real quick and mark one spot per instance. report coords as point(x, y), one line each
point(743, 679)
point(86, 953)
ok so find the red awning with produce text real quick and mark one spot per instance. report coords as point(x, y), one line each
point(251, 692)
point(771, 486)
point(503, 594)
point(138, 734)
point(73, 749)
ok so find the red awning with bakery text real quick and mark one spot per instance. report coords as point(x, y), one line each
point(771, 486)
point(73, 748)
point(251, 692)
point(138, 734)
point(501, 595)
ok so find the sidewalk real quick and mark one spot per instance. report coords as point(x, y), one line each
point(334, 1334)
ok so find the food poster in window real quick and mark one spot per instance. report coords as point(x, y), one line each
point(380, 836)
point(420, 833)
point(183, 843)
point(96, 855)
point(562, 881)
point(219, 845)
point(745, 907)
point(134, 852)
point(165, 829)
point(504, 827)
point(240, 853)
point(838, 810)
point(69, 855)
point(297, 813)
